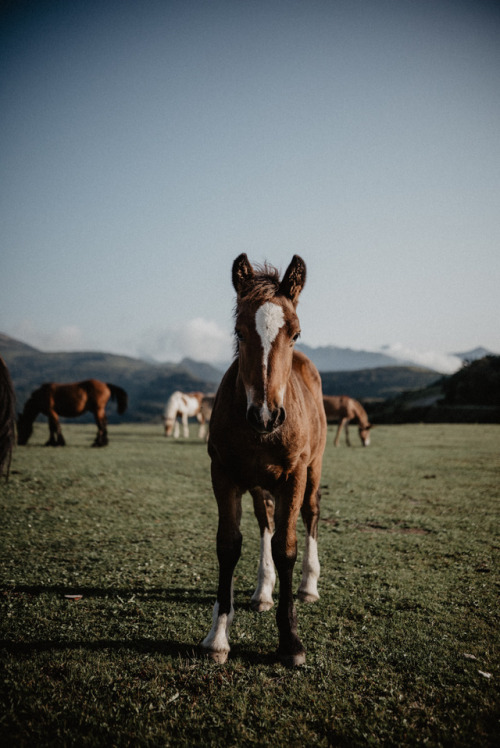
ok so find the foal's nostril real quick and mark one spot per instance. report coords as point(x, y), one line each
point(254, 419)
point(277, 418)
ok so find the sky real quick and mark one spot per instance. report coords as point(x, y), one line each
point(145, 145)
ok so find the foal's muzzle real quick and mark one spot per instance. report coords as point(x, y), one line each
point(265, 424)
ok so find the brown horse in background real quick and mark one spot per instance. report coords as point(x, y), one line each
point(7, 418)
point(70, 401)
point(267, 436)
point(341, 409)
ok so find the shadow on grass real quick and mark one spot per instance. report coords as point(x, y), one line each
point(173, 594)
point(164, 647)
point(169, 648)
point(151, 646)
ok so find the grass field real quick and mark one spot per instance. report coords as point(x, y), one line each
point(402, 647)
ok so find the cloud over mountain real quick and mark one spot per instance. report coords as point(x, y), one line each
point(200, 339)
point(445, 363)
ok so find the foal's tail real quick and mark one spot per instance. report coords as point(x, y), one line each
point(121, 397)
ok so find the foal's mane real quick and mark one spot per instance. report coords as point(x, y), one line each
point(263, 286)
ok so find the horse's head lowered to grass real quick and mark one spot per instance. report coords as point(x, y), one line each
point(266, 329)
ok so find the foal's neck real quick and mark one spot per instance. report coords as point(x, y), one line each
point(31, 410)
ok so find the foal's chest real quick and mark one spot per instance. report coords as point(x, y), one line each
point(258, 465)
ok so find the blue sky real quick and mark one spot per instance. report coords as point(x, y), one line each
point(144, 145)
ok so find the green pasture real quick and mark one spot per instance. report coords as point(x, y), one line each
point(402, 647)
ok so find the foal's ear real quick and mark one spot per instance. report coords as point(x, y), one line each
point(294, 279)
point(242, 272)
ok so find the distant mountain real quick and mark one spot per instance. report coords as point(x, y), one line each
point(360, 374)
point(201, 370)
point(470, 395)
point(475, 354)
point(379, 383)
point(10, 347)
point(331, 358)
point(148, 385)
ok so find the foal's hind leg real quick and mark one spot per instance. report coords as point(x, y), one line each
point(263, 505)
point(203, 428)
point(216, 643)
point(56, 438)
point(101, 439)
point(308, 590)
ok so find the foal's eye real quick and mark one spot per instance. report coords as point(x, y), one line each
point(296, 337)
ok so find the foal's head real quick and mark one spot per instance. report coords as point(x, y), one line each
point(364, 434)
point(24, 429)
point(266, 329)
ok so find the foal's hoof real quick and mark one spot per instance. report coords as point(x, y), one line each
point(261, 605)
point(291, 651)
point(294, 660)
point(307, 597)
point(218, 657)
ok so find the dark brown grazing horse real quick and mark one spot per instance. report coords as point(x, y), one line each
point(70, 400)
point(267, 436)
point(7, 418)
point(341, 409)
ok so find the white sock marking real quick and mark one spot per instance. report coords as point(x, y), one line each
point(217, 639)
point(266, 577)
point(310, 569)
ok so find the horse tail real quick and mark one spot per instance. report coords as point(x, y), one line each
point(7, 418)
point(121, 397)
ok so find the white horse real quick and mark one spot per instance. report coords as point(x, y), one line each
point(185, 406)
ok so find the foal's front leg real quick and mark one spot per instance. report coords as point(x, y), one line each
point(342, 423)
point(185, 425)
point(284, 545)
point(228, 495)
point(263, 505)
point(308, 590)
point(347, 440)
point(56, 439)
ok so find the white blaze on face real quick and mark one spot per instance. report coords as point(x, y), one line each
point(269, 319)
